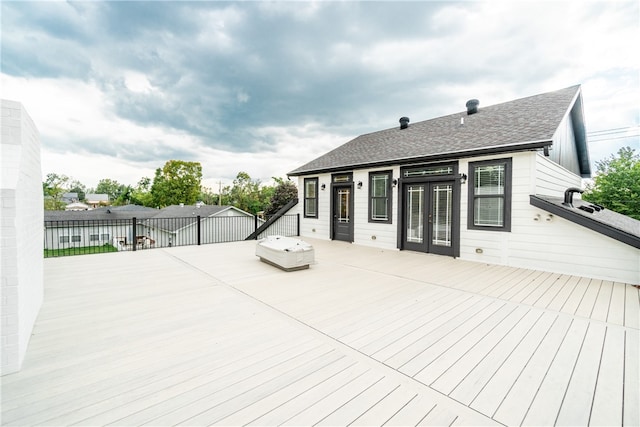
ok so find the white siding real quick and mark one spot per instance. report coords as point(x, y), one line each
point(555, 246)
point(365, 233)
point(492, 246)
point(22, 234)
point(551, 179)
point(534, 242)
point(52, 235)
point(558, 245)
point(370, 233)
point(317, 228)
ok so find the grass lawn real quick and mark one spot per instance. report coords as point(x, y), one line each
point(48, 253)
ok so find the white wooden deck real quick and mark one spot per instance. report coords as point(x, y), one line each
point(210, 335)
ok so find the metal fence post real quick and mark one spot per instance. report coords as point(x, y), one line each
point(135, 234)
point(255, 225)
point(199, 229)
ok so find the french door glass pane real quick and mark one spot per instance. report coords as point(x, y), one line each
point(441, 214)
point(415, 203)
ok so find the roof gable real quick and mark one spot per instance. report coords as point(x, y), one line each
point(526, 123)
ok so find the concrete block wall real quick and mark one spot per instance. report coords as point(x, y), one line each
point(21, 233)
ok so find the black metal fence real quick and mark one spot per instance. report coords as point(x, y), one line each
point(77, 237)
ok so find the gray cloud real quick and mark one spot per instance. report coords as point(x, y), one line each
point(222, 72)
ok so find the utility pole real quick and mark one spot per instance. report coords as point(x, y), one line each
point(219, 193)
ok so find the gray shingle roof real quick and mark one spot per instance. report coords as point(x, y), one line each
point(524, 123)
point(176, 217)
point(177, 211)
point(104, 213)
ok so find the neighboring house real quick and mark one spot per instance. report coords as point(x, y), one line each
point(177, 225)
point(95, 227)
point(486, 184)
point(96, 200)
point(70, 198)
point(76, 206)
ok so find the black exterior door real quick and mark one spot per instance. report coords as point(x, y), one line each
point(430, 217)
point(342, 207)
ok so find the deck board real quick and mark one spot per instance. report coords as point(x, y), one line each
point(603, 301)
point(617, 310)
point(211, 335)
point(632, 307)
point(608, 396)
point(549, 395)
point(581, 389)
point(472, 356)
point(631, 409)
point(505, 357)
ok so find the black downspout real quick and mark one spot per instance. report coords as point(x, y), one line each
point(298, 225)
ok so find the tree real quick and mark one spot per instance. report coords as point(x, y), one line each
point(284, 192)
point(112, 188)
point(616, 185)
point(207, 196)
point(53, 188)
point(77, 187)
point(141, 194)
point(247, 194)
point(177, 182)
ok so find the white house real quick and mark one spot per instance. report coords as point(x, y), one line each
point(177, 225)
point(485, 184)
point(97, 200)
point(93, 227)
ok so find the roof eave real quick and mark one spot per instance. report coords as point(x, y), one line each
point(474, 152)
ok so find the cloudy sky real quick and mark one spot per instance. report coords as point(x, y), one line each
point(117, 88)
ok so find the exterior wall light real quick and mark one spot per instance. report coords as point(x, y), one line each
point(323, 186)
point(463, 178)
point(359, 184)
point(394, 182)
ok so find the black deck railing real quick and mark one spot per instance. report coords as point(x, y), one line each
point(77, 237)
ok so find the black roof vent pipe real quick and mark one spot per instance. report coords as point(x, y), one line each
point(404, 122)
point(472, 106)
point(568, 196)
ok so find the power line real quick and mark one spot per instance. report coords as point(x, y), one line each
point(611, 139)
point(604, 132)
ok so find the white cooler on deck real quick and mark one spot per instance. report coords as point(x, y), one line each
point(286, 253)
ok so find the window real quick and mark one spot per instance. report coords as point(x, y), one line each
point(342, 178)
point(94, 237)
point(64, 239)
point(104, 237)
point(311, 197)
point(380, 197)
point(76, 238)
point(490, 195)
